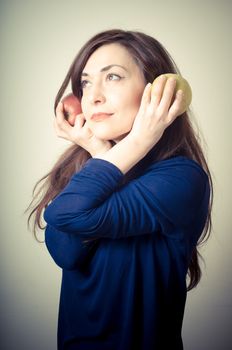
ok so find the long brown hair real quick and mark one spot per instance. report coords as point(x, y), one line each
point(180, 138)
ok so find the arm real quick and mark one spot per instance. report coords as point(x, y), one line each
point(94, 204)
point(67, 250)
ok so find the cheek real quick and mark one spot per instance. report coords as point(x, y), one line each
point(131, 106)
point(128, 101)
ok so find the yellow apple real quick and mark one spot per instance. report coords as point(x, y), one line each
point(181, 84)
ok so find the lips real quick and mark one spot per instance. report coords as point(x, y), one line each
point(98, 117)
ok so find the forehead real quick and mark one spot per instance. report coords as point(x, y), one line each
point(107, 55)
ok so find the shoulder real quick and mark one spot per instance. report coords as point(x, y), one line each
point(177, 163)
point(176, 169)
point(179, 185)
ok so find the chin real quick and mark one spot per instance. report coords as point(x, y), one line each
point(109, 135)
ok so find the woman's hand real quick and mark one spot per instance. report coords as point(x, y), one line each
point(159, 108)
point(79, 133)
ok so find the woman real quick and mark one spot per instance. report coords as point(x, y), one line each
point(127, 205)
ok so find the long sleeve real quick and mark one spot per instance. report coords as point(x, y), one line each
point(96, 204)
point(67, 249)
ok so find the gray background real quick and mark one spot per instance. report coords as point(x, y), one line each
point(39, 40)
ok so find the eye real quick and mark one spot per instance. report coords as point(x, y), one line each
point(113, 76)
point(84, 83)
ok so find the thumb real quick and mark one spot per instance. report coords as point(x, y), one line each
point(79, 121)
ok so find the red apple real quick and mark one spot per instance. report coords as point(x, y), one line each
point(72, 107)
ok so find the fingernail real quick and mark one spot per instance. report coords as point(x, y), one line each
point(162, 77)
point(180, 93)
point(172, 80)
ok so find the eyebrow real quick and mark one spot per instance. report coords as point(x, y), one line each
point(104, 69)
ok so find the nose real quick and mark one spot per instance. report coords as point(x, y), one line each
point(96, 94)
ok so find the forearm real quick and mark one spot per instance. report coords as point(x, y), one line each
point(68, 250)
point(125, 154)
point(95, 204)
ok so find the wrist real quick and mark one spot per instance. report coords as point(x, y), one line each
point(126, 153)
point(97, 153)
point(140, 146)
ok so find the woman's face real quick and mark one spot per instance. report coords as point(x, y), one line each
point(112, 86)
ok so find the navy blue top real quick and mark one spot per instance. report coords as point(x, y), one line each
point(126, 289)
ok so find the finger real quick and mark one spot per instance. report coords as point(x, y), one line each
point(79, 121)
point(176, 107)
point(168, 94)
point(59, 132)
point(59, 109)
point(157, 90)
point(60, 119)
